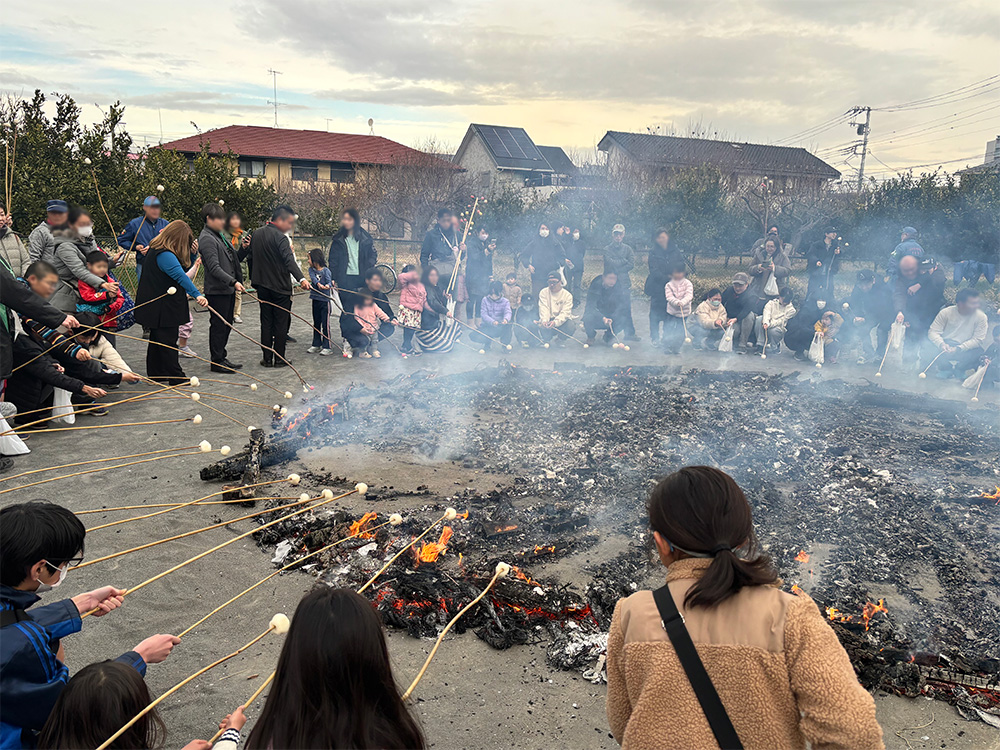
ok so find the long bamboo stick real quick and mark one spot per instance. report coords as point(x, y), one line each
point(251, 339)
point(95, 461)
point(186, 534)
point(449, 514)
point(291, 478)
point(90, 511)
point(502, 570)
point(245, 706)
point(257, 299)
point(103, 426)
point(235, 539)
point(888, 343)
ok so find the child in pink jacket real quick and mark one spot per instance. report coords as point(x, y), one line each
point(369, 315)
point(412, 298)
point(679, 292)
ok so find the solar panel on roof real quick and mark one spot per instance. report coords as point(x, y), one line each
point(528, 148)
point(512, 146)
point(492, 139)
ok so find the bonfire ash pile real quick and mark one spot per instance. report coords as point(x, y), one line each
point(869, 500)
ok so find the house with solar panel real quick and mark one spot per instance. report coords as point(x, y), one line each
point(787, 168)
point(493, 153)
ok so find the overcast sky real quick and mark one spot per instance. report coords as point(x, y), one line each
point(755, 70)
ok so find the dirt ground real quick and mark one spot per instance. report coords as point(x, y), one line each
point(472, 696)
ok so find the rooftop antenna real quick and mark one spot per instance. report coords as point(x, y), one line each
point(328, 123)
point(371, 126)
point(274, 82)
point(159, 114)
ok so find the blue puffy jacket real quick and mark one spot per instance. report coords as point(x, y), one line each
point(31, 677)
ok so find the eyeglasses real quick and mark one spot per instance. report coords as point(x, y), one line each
point(71, 563)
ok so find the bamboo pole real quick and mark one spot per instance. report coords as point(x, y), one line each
point(923, 373)
point(245, 706)
point(449, 514)
point(529, 332)
point(290, 478)
point(270, 628)
point(186, 534)
point(571, 338)
point(296, 315)
point(171, 505)
point(107, 218)
point(227, 416)
point(235, 539)
point(502, 570)
point(95, 461)
point(97, 471)
point(354, 315)
point(101, 426)
point(252, 340)
point(888, 343)
point(478, 331)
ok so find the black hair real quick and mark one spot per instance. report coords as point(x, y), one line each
point(496, 288)
point(677, 267)
point(408, 267)
point(34, 531)
point(233, 215)
point(75, 212)
point(964, 295)
point(442, 212)
point(212, 211)
point(88, 319)
point(97, 256)
point(333, 686)
point(354, 214)
point(3, 205)
point(40, 269)
point(712, 292)
point(282, 211)
point(700, 509)
point(99, 700)
point(371, 273)
point(317, 256)
point(528, 300)
point(512, 274)
point(425, 276)
point(786, 293)
point(660, 230)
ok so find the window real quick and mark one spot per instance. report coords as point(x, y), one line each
point(305, 170)
point(251, 168)
point(341, 171)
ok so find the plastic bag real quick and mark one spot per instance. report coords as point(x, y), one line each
point(897, 333)
point(771, 287)
point(62, 407)
point(817, 348)
point(11, 444)
point(125, 317)
point(562, 274)
point(975, 378)
point(726, 345)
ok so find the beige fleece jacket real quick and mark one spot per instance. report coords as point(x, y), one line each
point(554, 307)
point(783, 676)
point(707, 315)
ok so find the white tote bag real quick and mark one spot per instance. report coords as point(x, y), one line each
point(975, 378)
point(816, 348)
point(11, 445)
point(62, 407)
point(726, 345)
point(771, 287)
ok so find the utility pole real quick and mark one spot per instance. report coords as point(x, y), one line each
point(864, 130)
point(274, 81)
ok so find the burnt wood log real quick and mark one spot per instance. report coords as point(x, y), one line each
point(269, 453)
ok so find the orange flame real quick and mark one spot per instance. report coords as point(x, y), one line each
point(504, 529)
point(542, 550)
point(360, 527)
point(522, 577)
point(994, 496)
point(299, 419)
point(797, 591)
point(870, 610)
point(332, 408)
point(802, 557)
point(837, 616)
point(430, 551)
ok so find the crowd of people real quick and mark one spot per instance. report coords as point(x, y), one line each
point(334, 686)
point(64, 278)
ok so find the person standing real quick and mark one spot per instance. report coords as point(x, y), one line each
point(576, 252)
point(223, 281)
point(12, 249)
point(662, 258)
point(159, 310)
point(352, 255)
point(908, 245)
point(542, 255)
point(619, 258)
point(141, 230)
point(41, 243)
point(441, 246)
point(239, 239)
point(272, 263)
point(823, 261)
point(478, 272)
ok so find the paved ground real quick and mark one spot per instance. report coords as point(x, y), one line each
point(472, 697)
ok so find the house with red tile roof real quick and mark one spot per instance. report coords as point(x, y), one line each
point(282, 156)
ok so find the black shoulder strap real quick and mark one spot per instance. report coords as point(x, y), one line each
point(11, 616)
point(687, 654)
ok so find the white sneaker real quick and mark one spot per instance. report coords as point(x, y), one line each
point(237, 320)
point(313, 349)
point(377, 354)
point(326, 352)
point(187, 351)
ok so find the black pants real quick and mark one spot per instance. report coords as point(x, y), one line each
point(628, 323)
point(274, 322)
point(472, 307)
point(574, 281)
point(218, 329)
point(501, 333)
point(673, 333)
point(162, 362)
point(321, 322)
point(549, 334)
point(657, 317)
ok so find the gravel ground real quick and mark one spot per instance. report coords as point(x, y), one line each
point(472, 697)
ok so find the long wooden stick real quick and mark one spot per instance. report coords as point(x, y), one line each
point(217, 547)
point(478, 331)
point(416, 680)
point(252, 340)
point(97, 471)
point(186, 534)
point(570, 337)
point(227, 416)
point(90, 511)
point(107, 218)
point(529, 332)
point(357, 317)
point(975, 396)
point(245, 706)
point(192, 502)
point(408, 546)
point(328, 336)
point(95, 461)
point(465, 236)
point(101, 426)
point(278, 572)
point(888, 343)
point(181, 684)
point(924, 372)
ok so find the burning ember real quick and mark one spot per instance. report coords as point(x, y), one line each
point(798, 591)
point(802, 557)
point(360, 527)
point(430, 551)
point(871, 610)
point(994, 496)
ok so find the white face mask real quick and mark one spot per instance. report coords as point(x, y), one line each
point(820, 304)
point(85, 231)
point(543, 232)
point(576, 235)
point(63, 572)
point(484, 237)
point(715, 302)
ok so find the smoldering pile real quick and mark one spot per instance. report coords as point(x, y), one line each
point(867, 499)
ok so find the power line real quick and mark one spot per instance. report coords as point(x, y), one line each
point(908, 139)
point(931, 164)
point(936, 99)
point(815, 130)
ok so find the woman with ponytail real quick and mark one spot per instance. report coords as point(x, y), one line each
point(781, 674)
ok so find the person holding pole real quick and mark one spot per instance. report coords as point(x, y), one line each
point(223, 281)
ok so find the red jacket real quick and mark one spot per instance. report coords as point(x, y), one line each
point(100, 301)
